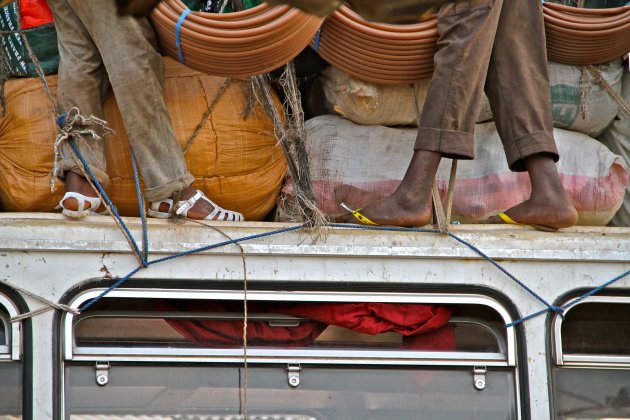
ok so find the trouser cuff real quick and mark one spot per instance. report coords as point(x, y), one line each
point(451, 144)
point(529, 145)
point(168, 189)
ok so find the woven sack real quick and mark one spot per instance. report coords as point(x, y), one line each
point(360, 164)
point(579, 103)
point(236, 162)
point(617, 139)
point(370, 103)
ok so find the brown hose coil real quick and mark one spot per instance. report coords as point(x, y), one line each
point(261, 39)
point(376, 52)
point(239, 44)
point(580, 36)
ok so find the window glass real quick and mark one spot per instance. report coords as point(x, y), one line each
point(4, 328)
point(339, 392)
point(137, 323)
point(594, 394)
point(601, 328)
point(10, 375)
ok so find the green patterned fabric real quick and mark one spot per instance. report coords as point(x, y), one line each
point(15, 60)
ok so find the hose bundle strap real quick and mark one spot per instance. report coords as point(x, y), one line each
point(178, 32)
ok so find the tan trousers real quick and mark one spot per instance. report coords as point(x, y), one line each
point(98, 48)
point(498, 45)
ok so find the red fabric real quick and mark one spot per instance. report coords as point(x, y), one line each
point(35, 13)
point(373, 318)
point(424, 327)
point(210, 333)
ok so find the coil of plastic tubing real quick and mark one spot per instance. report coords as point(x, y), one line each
point(376, 52)
point(579, 36)
point(238, 44)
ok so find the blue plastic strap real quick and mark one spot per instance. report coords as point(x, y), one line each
point(178, 29)
point(317, 37)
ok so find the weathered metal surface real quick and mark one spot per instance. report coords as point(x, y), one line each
point(49, 254)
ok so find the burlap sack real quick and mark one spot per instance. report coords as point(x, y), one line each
point(579, 103)
point(360, 164)
point(617, 139)
point(236, 162)
point(370, 103)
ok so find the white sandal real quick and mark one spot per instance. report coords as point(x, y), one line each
point(183, 206)
point(82, 211)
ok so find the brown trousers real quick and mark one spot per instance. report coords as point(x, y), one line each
point(98, 48)
point(498, 45)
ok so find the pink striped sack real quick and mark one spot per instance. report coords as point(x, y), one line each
point(358, 164)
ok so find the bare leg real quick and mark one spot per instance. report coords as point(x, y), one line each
point(549, 204)
point(410, 205)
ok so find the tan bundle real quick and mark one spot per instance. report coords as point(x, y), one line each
point(236, 162)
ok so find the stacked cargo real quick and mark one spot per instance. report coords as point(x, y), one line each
point(587, 103)
point(371, 98)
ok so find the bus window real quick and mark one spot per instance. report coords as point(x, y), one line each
point(10, 365)
point(591, 376)
point(309, 356)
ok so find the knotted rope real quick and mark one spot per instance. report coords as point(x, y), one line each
point(73, 125)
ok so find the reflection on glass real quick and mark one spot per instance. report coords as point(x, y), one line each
point(351, 393)
point(596, 394)
point(10, 390)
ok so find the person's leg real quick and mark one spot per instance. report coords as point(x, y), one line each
point(519, 94)
point(466, 35)
point(136, 73)
point(79, 84)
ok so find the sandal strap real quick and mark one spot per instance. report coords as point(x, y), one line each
point(218, 213)
point(95, 203)
point(184, 205)
point(154, 210)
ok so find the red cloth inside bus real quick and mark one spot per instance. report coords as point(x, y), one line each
point(424, 327)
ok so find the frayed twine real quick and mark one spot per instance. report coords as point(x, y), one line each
point(74, 125)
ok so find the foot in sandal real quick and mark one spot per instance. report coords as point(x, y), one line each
point(193, 204)
point(80, 199)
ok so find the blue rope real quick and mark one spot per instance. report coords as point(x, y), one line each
point(178, 30)
point(462, 241)
point(111, 205)
point(145, 263)
point(228, 242)
point(143, 214)
point(181, 254)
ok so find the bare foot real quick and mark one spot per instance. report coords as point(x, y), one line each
point(76, 183)
point(549, 204)
point(410, 205)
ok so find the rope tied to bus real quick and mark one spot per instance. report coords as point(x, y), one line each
point(144, 257)
point(74, 125)
point(49, 304)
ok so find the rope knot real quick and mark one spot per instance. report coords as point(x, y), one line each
point(73, 125)
point(557, 309)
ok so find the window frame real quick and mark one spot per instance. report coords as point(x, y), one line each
point(71, 353)
point(585, 360)
point(12, 349)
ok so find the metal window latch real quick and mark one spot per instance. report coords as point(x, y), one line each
point(479, 377)
point(102, 373)
point(293, 374)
